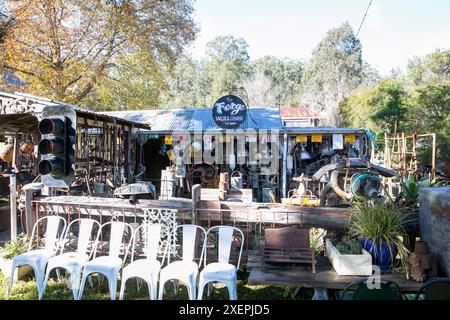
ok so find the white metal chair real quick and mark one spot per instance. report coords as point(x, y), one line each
point(185, 270)
point(149, 267)
point(72, 261)
point(38, 258)
point(222, 270)
point(110, 265)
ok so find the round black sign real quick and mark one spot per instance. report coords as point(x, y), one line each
point(229, 112)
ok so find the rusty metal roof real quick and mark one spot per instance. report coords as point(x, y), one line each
point(298, 112)
point(20, 104)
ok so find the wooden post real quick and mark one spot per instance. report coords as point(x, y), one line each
point(433, 156)
point(13, 206)
point(414, 152)
point(29, 189)
point(403, 155)
point(29, 211)
point(196, 197)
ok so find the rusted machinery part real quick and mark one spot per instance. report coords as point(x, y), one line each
point(325, 169)
point(27, 147)
point(385, 172)
point(203, 176)
point(354, 163)
point(334, 185)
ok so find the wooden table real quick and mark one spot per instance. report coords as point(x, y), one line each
point(262, 273)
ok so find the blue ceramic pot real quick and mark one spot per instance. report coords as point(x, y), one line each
point(382, 256)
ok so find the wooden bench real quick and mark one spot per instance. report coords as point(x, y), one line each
point(262, 273)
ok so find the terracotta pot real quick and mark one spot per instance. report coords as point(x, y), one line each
point(421, 248)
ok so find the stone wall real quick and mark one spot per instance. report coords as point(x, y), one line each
point(434, 220)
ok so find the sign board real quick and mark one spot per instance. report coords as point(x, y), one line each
point(301, 138)
point(349, 138)
point(229, 112)
point(152, 136)
point(224, 138)
point(316, 138)
point(338, 142)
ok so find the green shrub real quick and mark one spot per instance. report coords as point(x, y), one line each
point(348, 246)
point(13, 248)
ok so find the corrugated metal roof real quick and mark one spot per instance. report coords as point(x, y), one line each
point(182, 120)
point(38, 103)
point(324, 130)
point(190, 120)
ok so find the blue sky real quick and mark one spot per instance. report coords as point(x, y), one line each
point(393, 32)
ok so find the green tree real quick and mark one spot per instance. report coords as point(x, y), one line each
point(389, 104)
point(184, 85)
point(63, 49)
point(378, 108)
point(135, 82)
point(225, 65)
point(356, 109)
point(430, 105)
point(334, 71)
point(284, 74)
point(434, 67)
point(370, 75)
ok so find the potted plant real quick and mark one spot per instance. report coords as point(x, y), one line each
point(408, 198)
point(11, 249)
point(380, 228)
point(348, 257)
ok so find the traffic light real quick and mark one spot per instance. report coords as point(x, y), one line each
point(55, 147)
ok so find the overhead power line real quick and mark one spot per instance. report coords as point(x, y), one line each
point(362, 21)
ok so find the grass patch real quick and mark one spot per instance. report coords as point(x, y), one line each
point(57, 290)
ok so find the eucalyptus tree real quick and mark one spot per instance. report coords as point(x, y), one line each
point(333, 72)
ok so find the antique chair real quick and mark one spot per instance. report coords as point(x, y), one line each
point(222, 270)
point(38, 258)
point(80, 230)
point(359, 290)
point(109, 265)
point(185, 270)
point(148, 268)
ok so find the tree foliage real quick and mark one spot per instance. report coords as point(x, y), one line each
point(284, 74)
point(135, 82)
point(378, 108)
point(434, 67)
point(225, 65)
point(185, 86)
point(419, 101)
point(430, 105)
point(389, 100)
point(63, 49)
point(334, 71)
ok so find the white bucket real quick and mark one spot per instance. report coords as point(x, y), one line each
point(236, 180)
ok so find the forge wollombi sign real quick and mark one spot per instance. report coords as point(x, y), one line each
point(229, 112)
